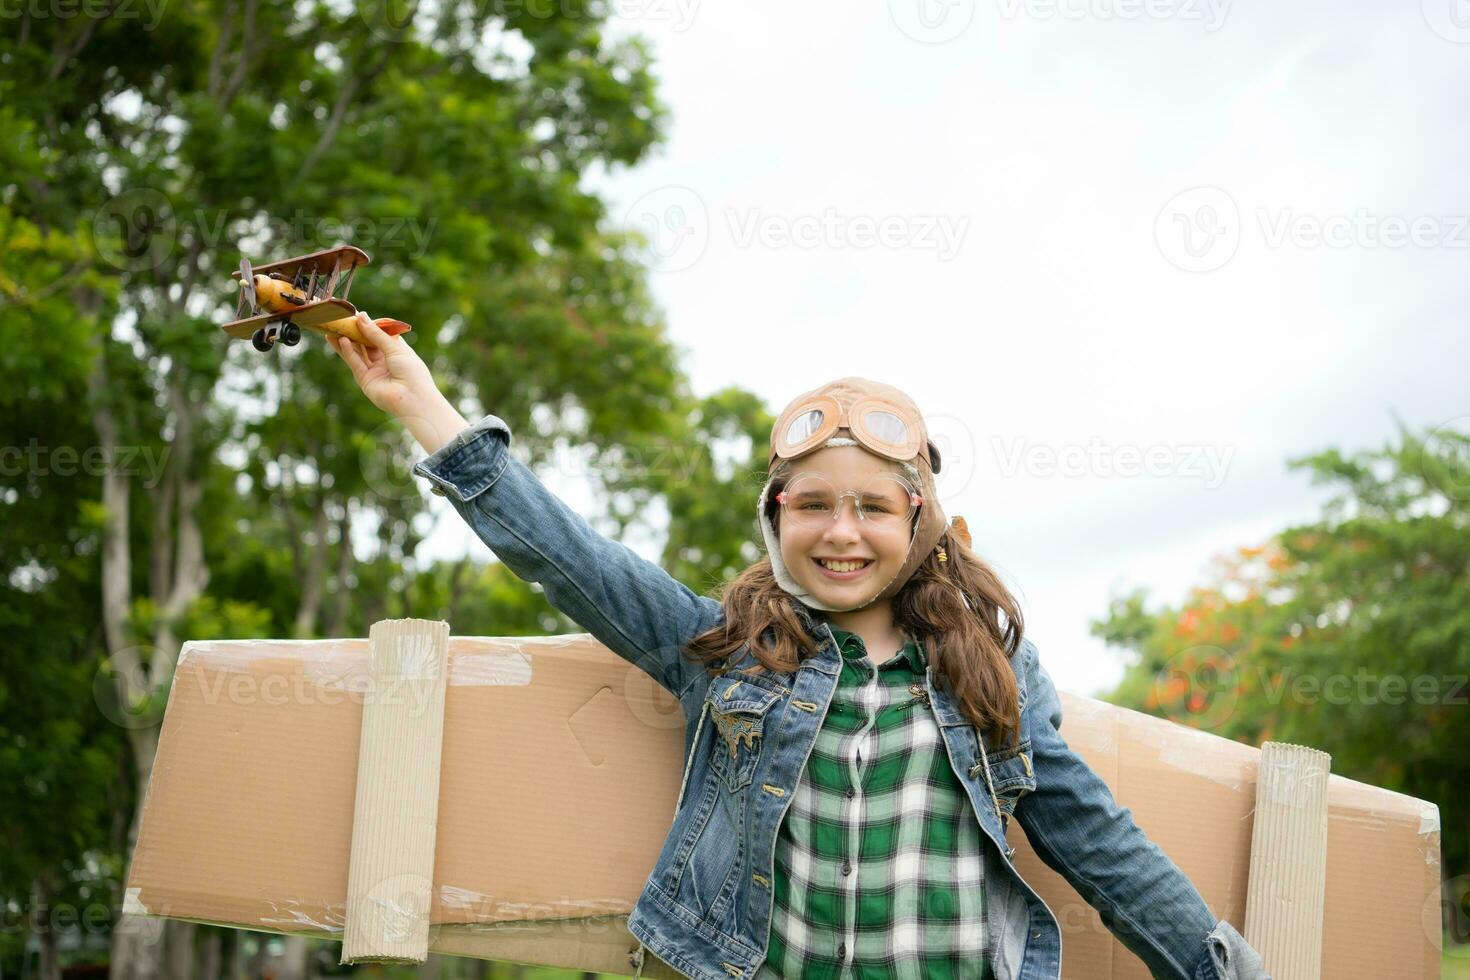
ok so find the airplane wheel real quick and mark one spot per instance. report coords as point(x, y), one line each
point(290, 335)
point(260, 343)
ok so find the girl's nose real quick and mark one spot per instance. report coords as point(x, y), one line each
point(846, 526)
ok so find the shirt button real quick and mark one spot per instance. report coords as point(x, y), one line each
point(842, 951)
point(847, 867)
point(851, 792)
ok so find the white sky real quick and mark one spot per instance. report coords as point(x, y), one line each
point(1222, 234)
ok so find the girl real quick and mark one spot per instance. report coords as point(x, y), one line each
point(840, 812)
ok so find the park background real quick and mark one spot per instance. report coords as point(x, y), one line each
point(1180, 285)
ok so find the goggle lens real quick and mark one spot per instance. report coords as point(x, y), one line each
point(803, 426)
point(887, 426)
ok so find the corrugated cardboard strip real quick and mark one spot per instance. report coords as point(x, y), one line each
point(390, 880)
point(1288, 877)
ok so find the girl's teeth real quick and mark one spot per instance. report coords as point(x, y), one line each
point(843, 566)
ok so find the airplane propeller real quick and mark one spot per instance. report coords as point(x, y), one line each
point(247, 283)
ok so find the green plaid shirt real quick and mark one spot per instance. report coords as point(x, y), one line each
point(878, 862)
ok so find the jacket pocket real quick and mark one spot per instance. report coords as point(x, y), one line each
point(738, 709)
point(1012, 775)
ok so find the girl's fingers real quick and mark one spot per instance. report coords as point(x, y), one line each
point(373, 332)
point(347, 350)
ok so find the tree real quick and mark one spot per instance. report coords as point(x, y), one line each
point(1350, 633)
point(142, 158)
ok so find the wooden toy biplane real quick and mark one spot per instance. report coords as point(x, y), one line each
point(278, 299)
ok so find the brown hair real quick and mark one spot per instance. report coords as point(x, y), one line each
point(953, 606)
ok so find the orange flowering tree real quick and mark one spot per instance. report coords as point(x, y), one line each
point(1350, 633)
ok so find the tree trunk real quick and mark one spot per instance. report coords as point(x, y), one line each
point(132, 955)
point(137, 942)
point(262, 955)
point(49, 967)
point(179, 947)
point(459, 580)
point(211, 951)
point(312, 577)
point(160, 558)
point(295, 957)
point(342, 591)
point(239, 955)
point(140, 945)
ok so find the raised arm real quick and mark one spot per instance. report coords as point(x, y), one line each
point(1078, 829)
point(630, 604)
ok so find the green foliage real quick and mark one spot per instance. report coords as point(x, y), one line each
point(139, 161)
point(1350, 634)
point(705, 467)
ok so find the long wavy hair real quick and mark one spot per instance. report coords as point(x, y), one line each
point(967, 620)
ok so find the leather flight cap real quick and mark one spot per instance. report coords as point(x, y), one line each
point(883, 420)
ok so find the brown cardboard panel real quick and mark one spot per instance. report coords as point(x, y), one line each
point(554, 788)
point(561, 766)
point(555, 798)
point(1193, 794)
point(248, 815)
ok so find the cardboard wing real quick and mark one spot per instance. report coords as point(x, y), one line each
point(560, 769)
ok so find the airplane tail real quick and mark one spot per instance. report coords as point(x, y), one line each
point(392, 327)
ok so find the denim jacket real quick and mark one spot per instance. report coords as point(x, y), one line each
point(706, 907)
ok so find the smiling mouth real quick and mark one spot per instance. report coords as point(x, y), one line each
point(846, 569)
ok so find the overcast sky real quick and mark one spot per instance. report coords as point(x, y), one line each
point(1127, 255)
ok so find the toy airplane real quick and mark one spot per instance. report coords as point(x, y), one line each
point(282, 297)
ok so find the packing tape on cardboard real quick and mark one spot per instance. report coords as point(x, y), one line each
point(340, 665)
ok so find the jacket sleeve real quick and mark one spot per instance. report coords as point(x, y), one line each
point(630, 604)
point(1077, 828)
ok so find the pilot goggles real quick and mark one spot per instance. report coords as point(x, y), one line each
point(882, 426)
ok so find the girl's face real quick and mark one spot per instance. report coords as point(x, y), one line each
point(883, 548)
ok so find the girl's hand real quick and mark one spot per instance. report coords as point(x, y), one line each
point(397, 380)
point(388, 371)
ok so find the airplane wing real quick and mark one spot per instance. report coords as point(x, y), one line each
point(343, 258)
point(243, 329)
point(321, 311)
point(310, 315)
